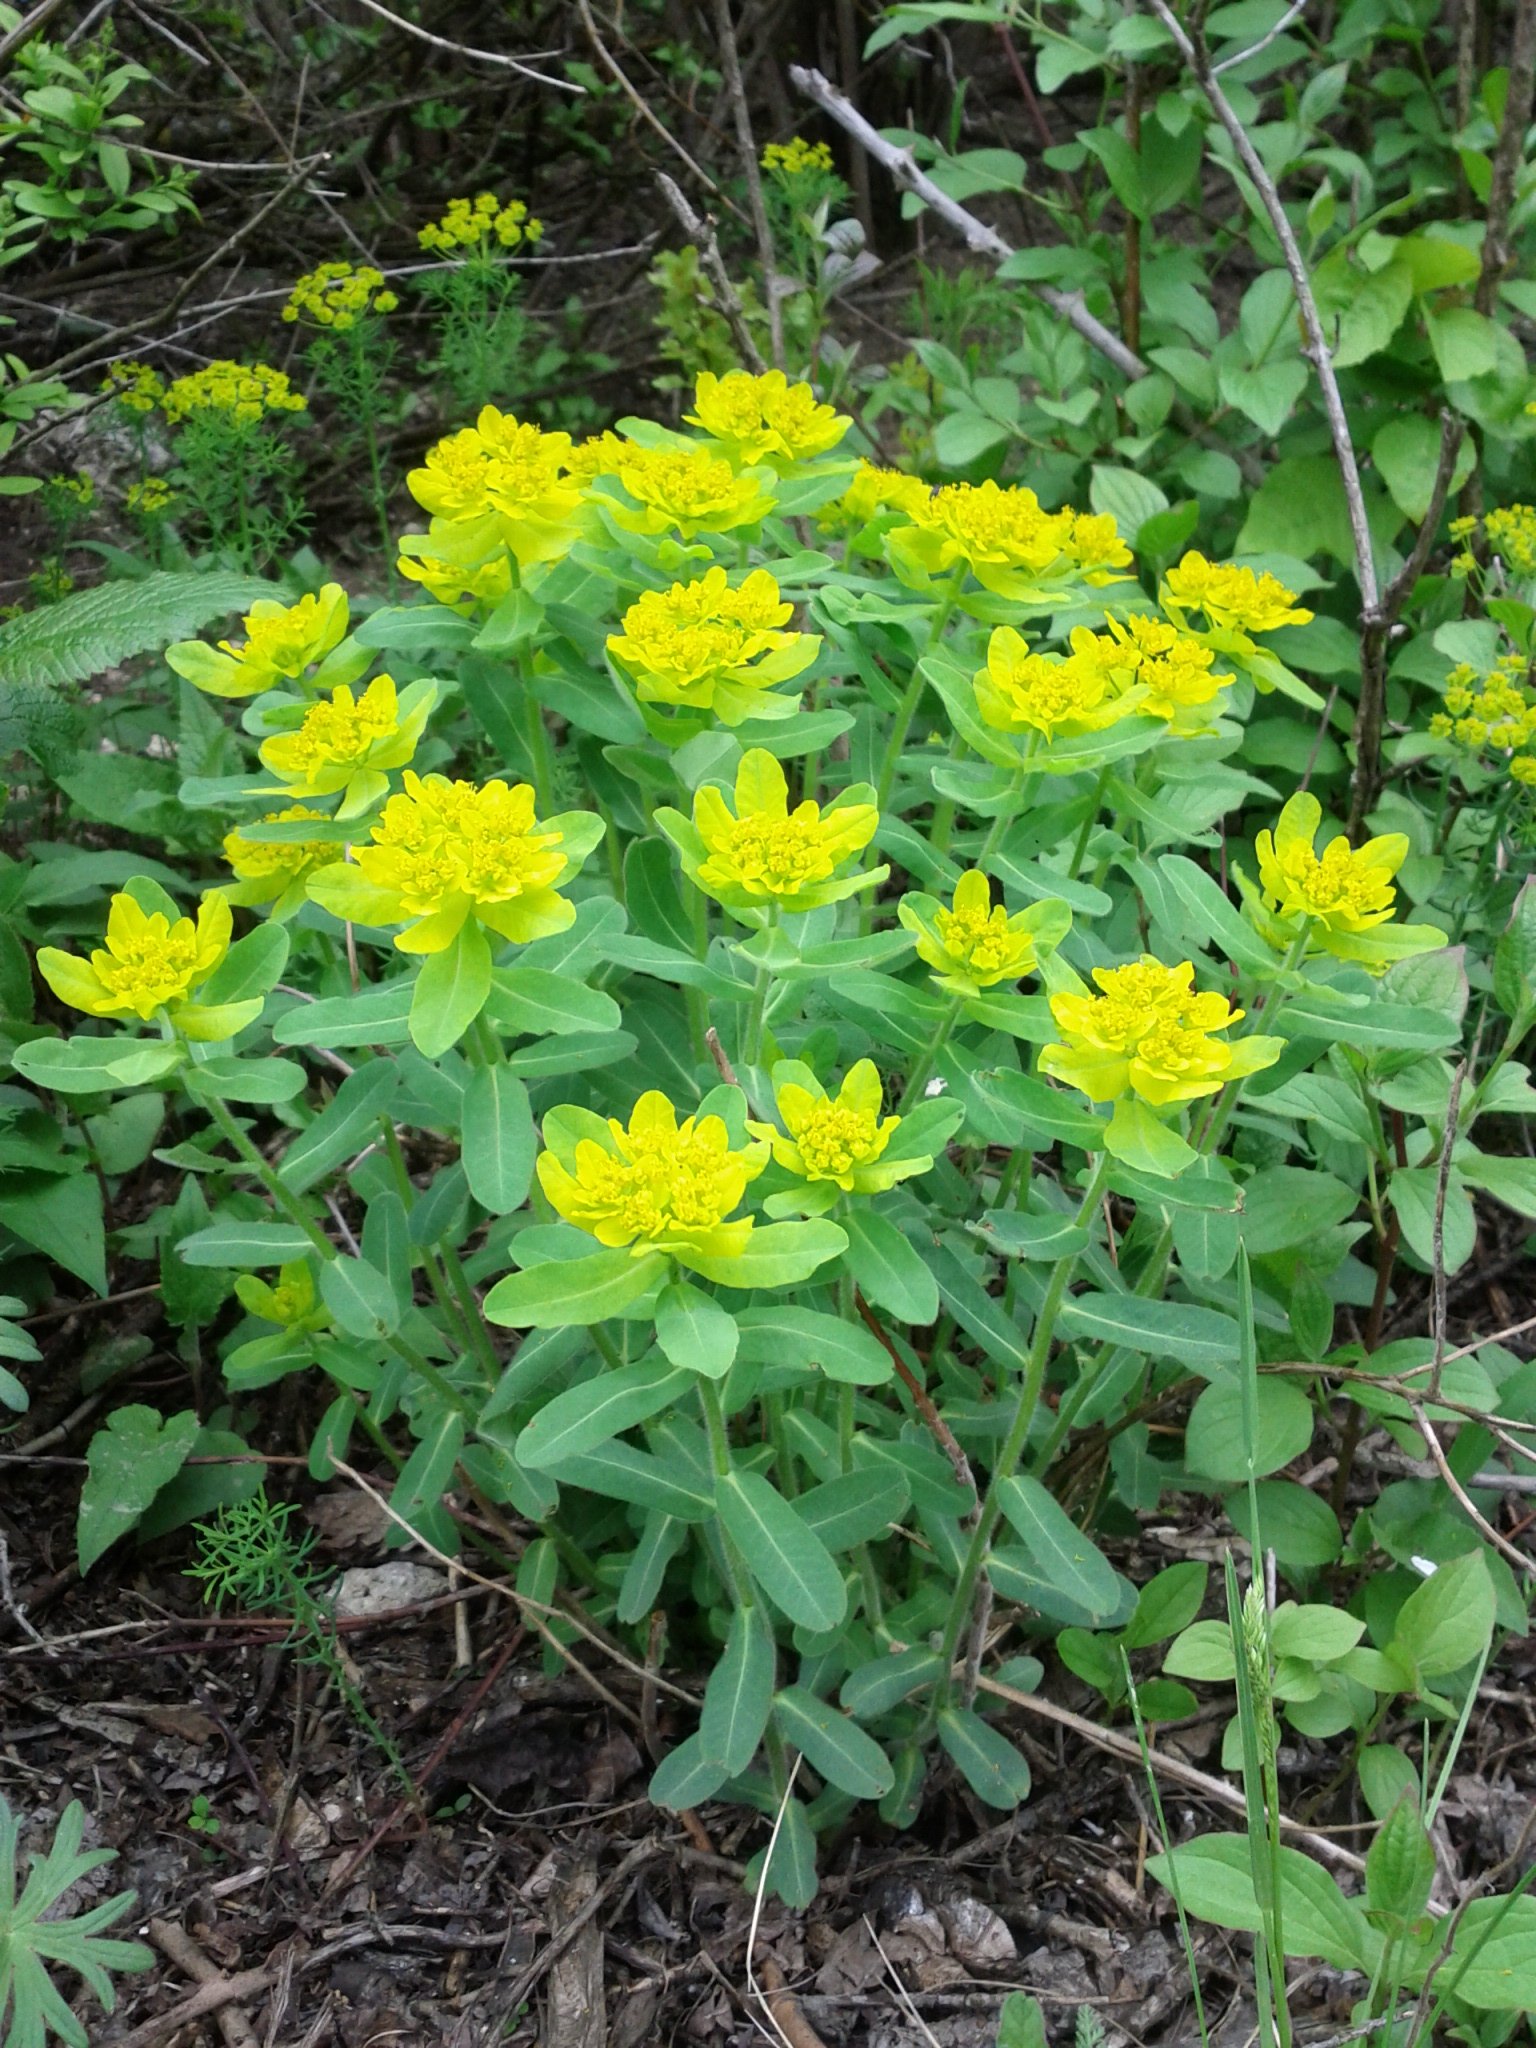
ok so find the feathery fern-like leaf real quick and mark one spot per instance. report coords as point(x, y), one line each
point(94, 629)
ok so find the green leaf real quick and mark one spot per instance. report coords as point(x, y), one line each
point(1217, 1441)
point(231, 1079)
point(777, 1255)
point(1167, 1603)
point(686, 1777)
point(988, 1761)
point(451, 988)
point(1413, 1192)
point(93, 1066)
point(1021, 2023)
point(1400, 1865)
point(1019, 1234)
point(584, 1417)
point(360, 1297)
point(884, 1682)
point(1061, 1552)
point(1514, 958)
point(1267, 395)
point(739, 1695)
point(342, 1128)
point(428, 1472)
point(694, 1331)
point(499, 1140)
point(127, 1463)
point(1492, 1964)
point(96, 629)
point(793, 1568)
point(888, 1269)
point(1302, 1530)
point(1213, 916)
point(1214, 1880)
point(60, 1215)
point(40, 1932)
point(1406, 452)
point(374, 1016)
point(856, 1507)
point(572, 1290)
point(1448, 1621)
point(1202, 1338)
point(833, 1745)
point(531, 1002)
point(806, 1337)
point(1465, 342)
point(1138, 1138)
point(245, 1244)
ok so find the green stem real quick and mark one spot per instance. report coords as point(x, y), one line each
point(736, 1571)
point(1081, 848)
point(1012, 1450)
point(281, 1197)
point(917, 1079)
point(906, 711)
point(1013, 803)
point(752, 1043)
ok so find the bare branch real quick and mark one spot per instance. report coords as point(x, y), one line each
point(1518, 97)
point(28, 27)
point(746, 144)
point(702, 236)
point(976, 234)
point(523, 70)
point(1274, 35)
point(621, 79)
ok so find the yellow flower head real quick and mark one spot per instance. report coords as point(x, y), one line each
point(1148, 1033)
point(1020, 692)
point(461, 588)
point(1511, 534)
point(275, 870)
point(599, 455)
point(796, 157)
point(444, 852)
point(338, 295)
point(708, 646)
point(1342, 899)
point(150, 963)
point(350, 743)
point(134, 385)
point(71, 495)
point(654, 1185)
point(1232, 597)
point(149, 499)
point(686, 490)
point(292, 1304)
point(872, 492)
point(480, 224)
point(765, 418)
point(837, 1139)
point(282, 642)
point(762, 854)
point(1171, 671)
point(971, 944)
point(1008, 542)
point(500, 481)
point(242, 393)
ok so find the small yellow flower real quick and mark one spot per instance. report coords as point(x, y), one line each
point(275, 871)
point(797, 157)
point(338, 295)
point(762, 855)
point(1149, 1034)
point(654, 1185)
point(134, 385)
point(476, 224)
point(837, 1139)
point(282, 642)
point(72, 495)
point(765, 418)
point(599, 455)
point(150, 499)
point(1008, 542)
point(500, 482)
point(460, 588)
point(708, 646)
point(349, 743)
point(243, 393)
point(152, 963)
point(444, 852)
point(872, 492)
point(1345, 890)
point(1511, 534)
point(1232, 597)
point(1522, 769)
point(972, 945)
point(1171, 670)
point(686, 490)
point(292, 1304)
point(1056, 697)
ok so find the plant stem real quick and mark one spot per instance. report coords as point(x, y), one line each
point(281, 1197)
point(752, 1042)
point(1012, 1447)
point(907, 710)
point(917, 1079)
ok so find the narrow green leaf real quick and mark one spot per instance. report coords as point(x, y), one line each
point(832, 1744)
point(793, 1567)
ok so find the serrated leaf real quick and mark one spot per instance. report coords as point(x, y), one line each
point(92, 630)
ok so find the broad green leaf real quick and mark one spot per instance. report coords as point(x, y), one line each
point(1215, 1883)
point(374, 1016)
point(694, 1331)
point(533, 1003)
point(777, 1255)
point(586, 1416)
point(1217, 1442)
point(427, 1474)
point(451, 988)
point(833, 1745)
point(884, 1682)
point(127, 1463)
point(342, 1128)
point(499, 1142)
point(245, 1244)
point(988, 1761)
point(360, 1297)
point(802, 1336)
point(793, 1568)
point(856, 1507)
point(1062, 1553)
point(1448, 1621)
point(61, 1216)
point(1492, 1964)
point(888, 1269)
point(231, 1079)
point(1203, 1339)
point(686, 1777)
point(1167, 1603)
point(739, 1694)
point(572, 1290)
point(92, 630)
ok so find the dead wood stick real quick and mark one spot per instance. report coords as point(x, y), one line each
point(210, 1997)
point(784, 2008)
point(702, 236)
point(175, 1942)
point(559, 1943)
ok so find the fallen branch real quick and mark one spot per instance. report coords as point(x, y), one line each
point(702, 236)
point(1071, 306)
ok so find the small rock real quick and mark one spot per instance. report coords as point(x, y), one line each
point(381, 1588)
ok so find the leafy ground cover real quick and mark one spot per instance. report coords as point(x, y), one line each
point(828, 1062)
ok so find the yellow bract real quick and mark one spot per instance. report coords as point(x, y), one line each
point(149, 498)
point(134, 385)
point(1006, 540)
point(654, 1184)
point(243, 392)
point(1148, 1033)
point(1171, 671)
point(765, 418)
point(150, 963)
point(842, 1138)
point(1346, 890)
point(338, 295)
point(499, 483)
point(292, 1304)
point(445, 851)
point(797, 156)
point(873, 491)
point(762, 853)
point(1232, 597)
point(1019, 691)
point(711, 646)
point(688, 489)
point(274, 871)
point(281, 642)
point(476, 223)
point(461, 589)
point(973, 944)
point(350, 743)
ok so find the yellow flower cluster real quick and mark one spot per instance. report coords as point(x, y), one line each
point(338, 295)
point(873, 491)
point(654, 1185)
point(711, 646)
point(1345, 889)
point(444, 852)
point(840, 1140)
point(687, 489)
point(1148, 1033)
point(474, 223)
point(1510, 532)
point(765, 418)
point(134, 385)
point(270, 871)
point(1230, 596)
point(761, 854)
point(1006, 539)
point(281, 641)
point(796, 157)
point(499, 483)
point(349, 743)
point(243, 392)
point(75, 493)
point(1171, 671)
point(972, 944)
point(1051, 695)
point(1492, 714)
point(151, 963)
point(149, 498)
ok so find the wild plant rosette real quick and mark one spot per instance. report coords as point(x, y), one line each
point(763, 1034)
